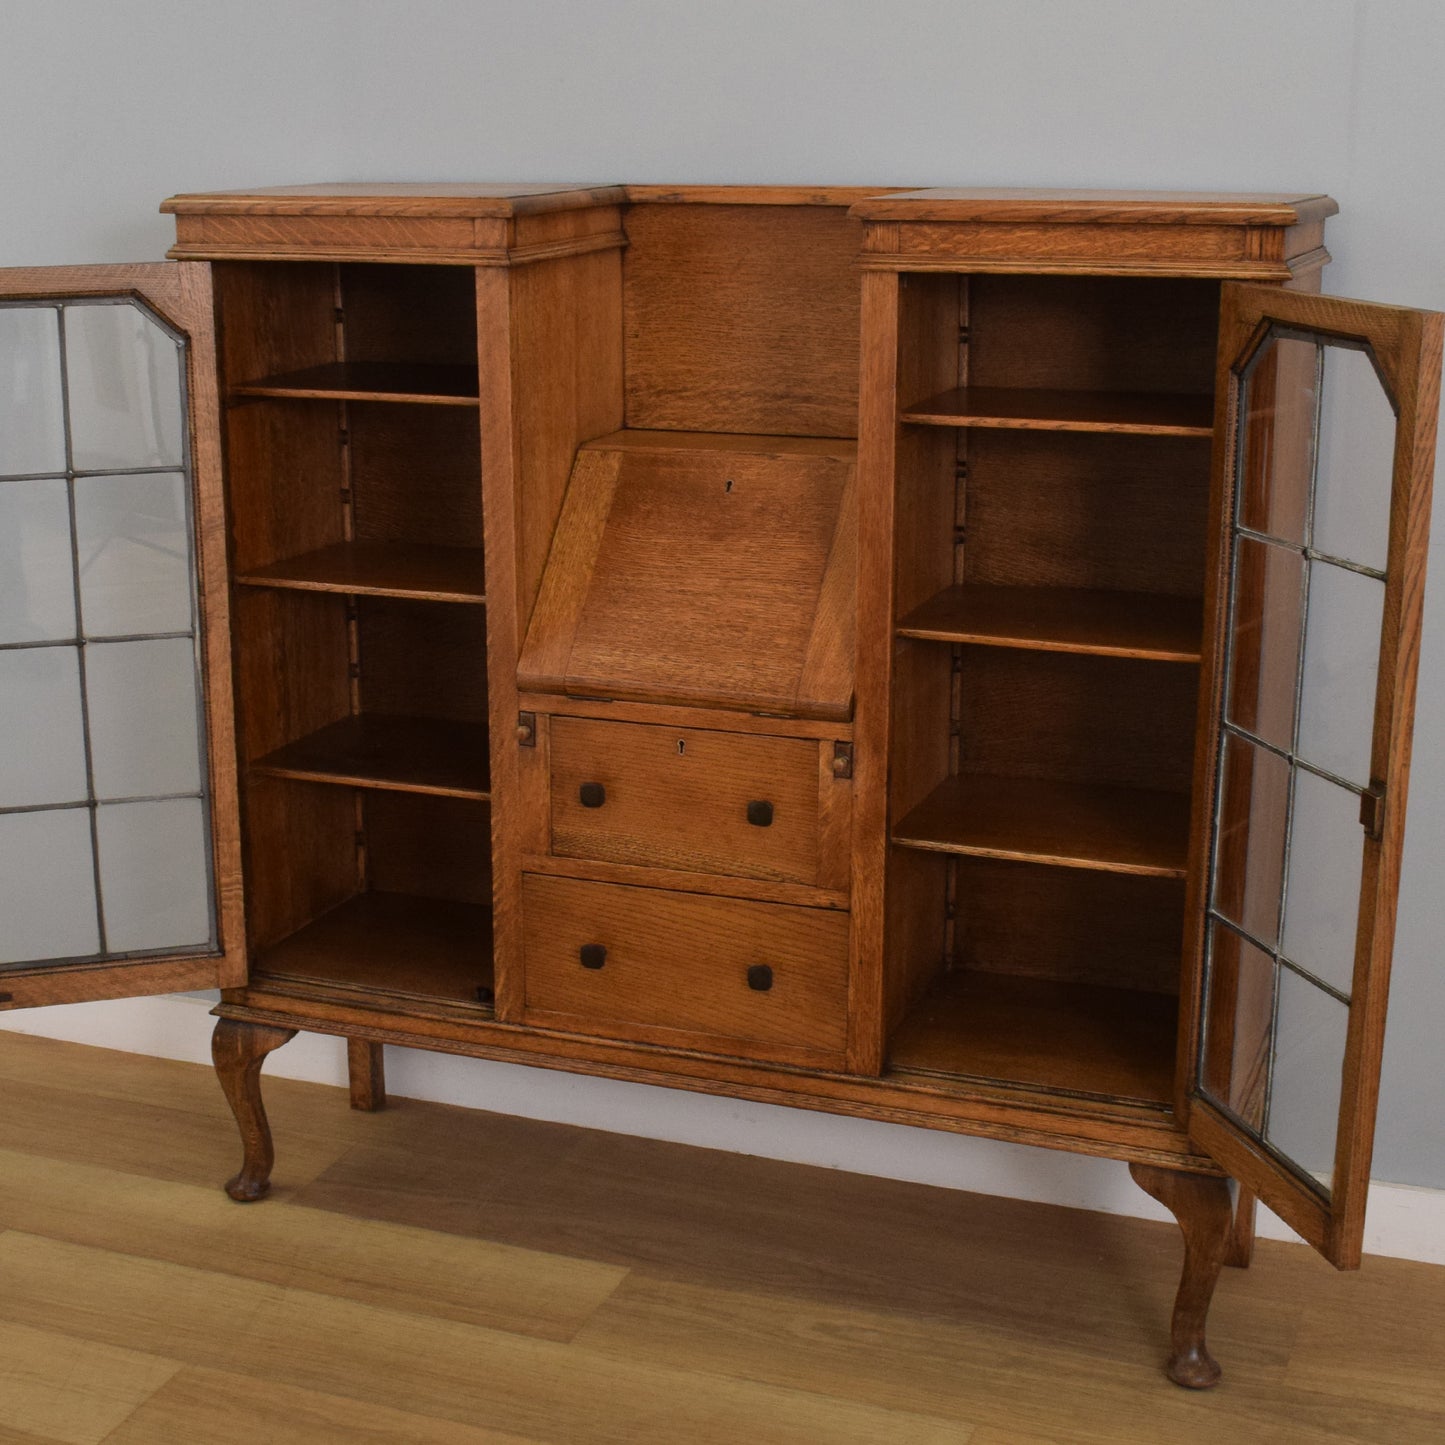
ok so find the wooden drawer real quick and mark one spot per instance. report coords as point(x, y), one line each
point(760, 980)
point(695, 799)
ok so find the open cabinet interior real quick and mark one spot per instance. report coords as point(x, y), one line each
point(1053, 469)
point(360, 624)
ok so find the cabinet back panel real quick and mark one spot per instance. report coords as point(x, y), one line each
point(410, 313)
point(428, 847)
point(422, 659)
point(922, 704)
point(416, 474)
point(283, 458)
point(1093, 333)
point(300, 854)
point(916, 946)
point(286, 476)
point(291, 670)
point(1069, 924)
point(742, 319)
point(1077, 719)
point(274, 317)
point(1050, 509)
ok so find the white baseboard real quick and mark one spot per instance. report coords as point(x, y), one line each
point(1403, 1221)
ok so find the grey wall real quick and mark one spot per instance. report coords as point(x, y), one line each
point(107, 106)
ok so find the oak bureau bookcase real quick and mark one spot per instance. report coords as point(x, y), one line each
point(938, 656)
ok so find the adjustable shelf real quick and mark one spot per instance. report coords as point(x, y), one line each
point(1071, 1038)
point(1068, 825)
point(380, 569)
point(1144, 413)
point(391, 943)
point(1062, 619)
point(427, 384)
point(399, 754)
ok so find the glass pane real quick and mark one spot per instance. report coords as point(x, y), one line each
point(134, 559)
point(1322, 897)
point(143, 719)
point(1277, 439)
point(1249, 847)
point(37, 584)
point(1308, 1077)
point(153, 875)
point(1235, 1067)
point(32, 423)
point(47, 886)
point(42, 744)
point(1356, 464)
point(125, 389)
point(1342, 661)
point(1265, 640)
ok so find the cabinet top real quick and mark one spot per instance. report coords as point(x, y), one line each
point(511, 198)
point(1165, 208)
point(421, 198)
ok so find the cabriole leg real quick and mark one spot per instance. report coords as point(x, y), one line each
point(239, 1050)
point(1201, 1204)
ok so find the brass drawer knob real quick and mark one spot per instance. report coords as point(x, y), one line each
point(760, 977)
point(593, 955)
point(592, 795)
point(760, 815)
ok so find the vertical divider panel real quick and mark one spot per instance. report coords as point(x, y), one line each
point(907, 485)
point(549, 342)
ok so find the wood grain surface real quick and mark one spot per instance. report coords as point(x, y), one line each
point(379, 569)
point(1061, 619)
point(679, 798)
point(678, 968)
point(434, 1276)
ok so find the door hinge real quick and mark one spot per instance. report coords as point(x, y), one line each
point(1372, 811)
point(842, 760)
point(526, 729)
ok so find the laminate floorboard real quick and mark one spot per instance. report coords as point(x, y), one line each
point(432, 1275)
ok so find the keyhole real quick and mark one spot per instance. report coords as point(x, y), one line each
point(681, 746)
point(728, 485)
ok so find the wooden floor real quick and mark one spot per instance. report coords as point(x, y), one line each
point(434, 1275)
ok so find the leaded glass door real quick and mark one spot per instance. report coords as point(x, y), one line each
point(118, 816)
point(1331, 414)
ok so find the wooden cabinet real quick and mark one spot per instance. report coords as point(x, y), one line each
point(945, 657)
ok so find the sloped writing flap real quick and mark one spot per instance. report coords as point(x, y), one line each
point(705, 570)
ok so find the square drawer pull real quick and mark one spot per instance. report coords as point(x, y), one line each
point(760, 977)
point(592, 795)
point(760, 815)
point(594, 955)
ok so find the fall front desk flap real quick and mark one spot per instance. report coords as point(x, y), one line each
point(702, 570)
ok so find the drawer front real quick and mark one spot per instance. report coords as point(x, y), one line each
point(762, 980)
point(686, 798)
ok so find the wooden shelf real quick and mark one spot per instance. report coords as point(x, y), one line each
point(1068, 825)
point(1143, 412)
point(400, 754)
point(393, 944)
point(431, 385)
point(1062, 619)
point(380, 569)
point(1076, 1039)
